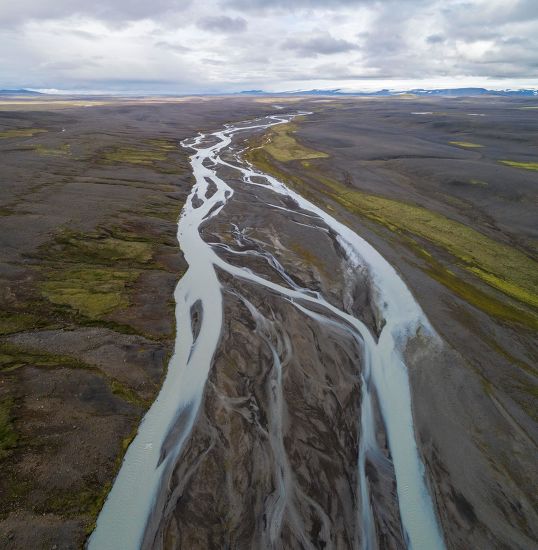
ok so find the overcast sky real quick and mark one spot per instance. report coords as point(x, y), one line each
point(230, 45)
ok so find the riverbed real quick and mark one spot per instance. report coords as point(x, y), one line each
point(325, 321)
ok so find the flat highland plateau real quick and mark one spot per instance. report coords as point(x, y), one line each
point(446, 189)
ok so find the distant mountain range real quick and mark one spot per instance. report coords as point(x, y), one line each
point(22, 91)
point(447, 92)
point(453, 92)
point(475, 92)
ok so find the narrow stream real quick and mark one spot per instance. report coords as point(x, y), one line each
point(137, 497)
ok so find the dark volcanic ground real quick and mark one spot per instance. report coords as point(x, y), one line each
point(88, 263)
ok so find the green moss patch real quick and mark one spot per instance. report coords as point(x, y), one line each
point(499, 265)
point(8, 436)
point(92, 292)
point(478, 182)
point(134, 156)
point(281, 144)
point(20, 132)
point(103, 248)
point(69, 503)
point(127, 394)
point(16, 322)
point(156, 154)
point(13, 357)
point(163, 144)
point(96, 270)
point(61, 151)
point(85, 277)
point(466, 144)
point(523, 165)
point(169, 212)
point(475, 296)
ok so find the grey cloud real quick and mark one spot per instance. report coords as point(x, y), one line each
point(509, 60)
point(84, 34)
point(68, 65)
point(290, 5)
point(397, 39)
point(471, 21)
point(104, 10)
point(323, 44)
point(214, 62)
point(435, 39)
point(525, 10)
point(222, 23)
point(178, 48)
point(390, 50)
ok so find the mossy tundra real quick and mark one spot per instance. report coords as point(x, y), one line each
point(467, 144)
point(523, 165)
point(20, 132)
point(90, 291)
point(281, 144)
point(153, 153)
point(8, 436)
point(60, 151)
point(92, 273)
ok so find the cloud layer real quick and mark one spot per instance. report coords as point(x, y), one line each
point(227, 45)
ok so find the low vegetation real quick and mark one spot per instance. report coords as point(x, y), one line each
point(134, 156)
point(466, 144)
point(8, 436)
point(103, 247)
point(100, 493)
point(524, 165)
point(11, 322)
point(91, 291)
point(92, 273)
point(475, 296)
point(168, 212)
point(478, 182)
point(13, 357)
point(501, 266)
point(20, 132)
point(83, 499)
point(104, 278)
point(281, 144)
point(61, 151)
point(155, 154)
